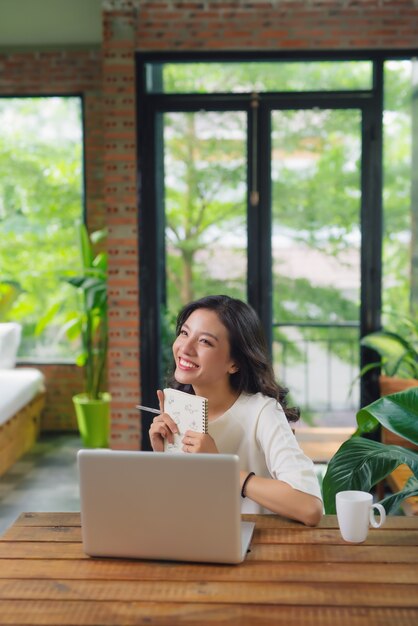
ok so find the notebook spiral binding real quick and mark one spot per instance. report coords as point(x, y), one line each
point(205, 418)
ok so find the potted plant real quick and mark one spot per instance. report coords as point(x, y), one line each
point(361, 463)
point(89, 324)
point(398, 351)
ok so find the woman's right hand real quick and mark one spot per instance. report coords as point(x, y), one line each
point(162, 427)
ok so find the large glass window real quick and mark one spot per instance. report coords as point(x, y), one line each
point(316, 258)
point(41, 200)
point(260, 77)
point(400, 197)
point(205, 205)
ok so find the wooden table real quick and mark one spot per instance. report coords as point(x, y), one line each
point(294, 575)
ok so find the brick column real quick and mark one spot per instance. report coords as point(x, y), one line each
point(120, 193)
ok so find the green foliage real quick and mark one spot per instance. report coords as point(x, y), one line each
point(397, 412)
point(398, 349)
point(327, 140)
point(88, 322)
point(168, 335)
point(361, 463)
point(398, 167)
point(9, 292)
point(91, 322)
point(202, 171)
point(265, 76)
point(41, 146)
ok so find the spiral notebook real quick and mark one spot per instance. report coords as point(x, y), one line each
point(188, 411)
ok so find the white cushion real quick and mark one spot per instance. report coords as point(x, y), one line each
point(10, 333)
point(17, 388)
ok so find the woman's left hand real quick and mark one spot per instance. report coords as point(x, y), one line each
point(198, 442)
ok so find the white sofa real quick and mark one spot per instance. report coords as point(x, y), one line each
point(22, 398)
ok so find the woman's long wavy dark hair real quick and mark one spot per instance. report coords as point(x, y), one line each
point(248, 349)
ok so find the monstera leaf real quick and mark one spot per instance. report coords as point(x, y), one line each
point(397, 412)
point(360, 463)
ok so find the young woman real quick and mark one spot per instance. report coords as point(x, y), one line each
point(220, 353)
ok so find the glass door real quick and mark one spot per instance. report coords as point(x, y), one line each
point(316, 259)
point(263, 197)
point(205, 194)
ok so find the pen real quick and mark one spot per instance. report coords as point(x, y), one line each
point(147, 408)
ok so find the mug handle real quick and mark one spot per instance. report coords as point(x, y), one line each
point(373, 521)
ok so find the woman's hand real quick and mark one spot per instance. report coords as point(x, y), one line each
point(162, 427)
point(198, 442)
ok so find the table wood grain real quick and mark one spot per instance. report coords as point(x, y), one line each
point(294, 575)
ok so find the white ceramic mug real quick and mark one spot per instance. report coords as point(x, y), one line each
point(355, 511)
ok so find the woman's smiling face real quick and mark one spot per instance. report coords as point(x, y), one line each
point(202, 351)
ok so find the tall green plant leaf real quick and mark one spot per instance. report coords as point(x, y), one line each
point(89, 323)
point(9, 292)
point(86, 250)
point(47, 318)
point(397, 412)
point(361, 463)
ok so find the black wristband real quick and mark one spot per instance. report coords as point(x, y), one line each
point(244, 484)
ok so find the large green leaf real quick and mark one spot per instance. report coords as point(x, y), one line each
point(399, 354)
point(86, 250)
point(361, 463)
point(398, 412)
point(100, 263)
point(9, 292)
point(73, 325)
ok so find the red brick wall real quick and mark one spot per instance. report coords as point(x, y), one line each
point(278, 24)
point(62, 382)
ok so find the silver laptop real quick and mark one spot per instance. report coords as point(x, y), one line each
point(151, 505)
